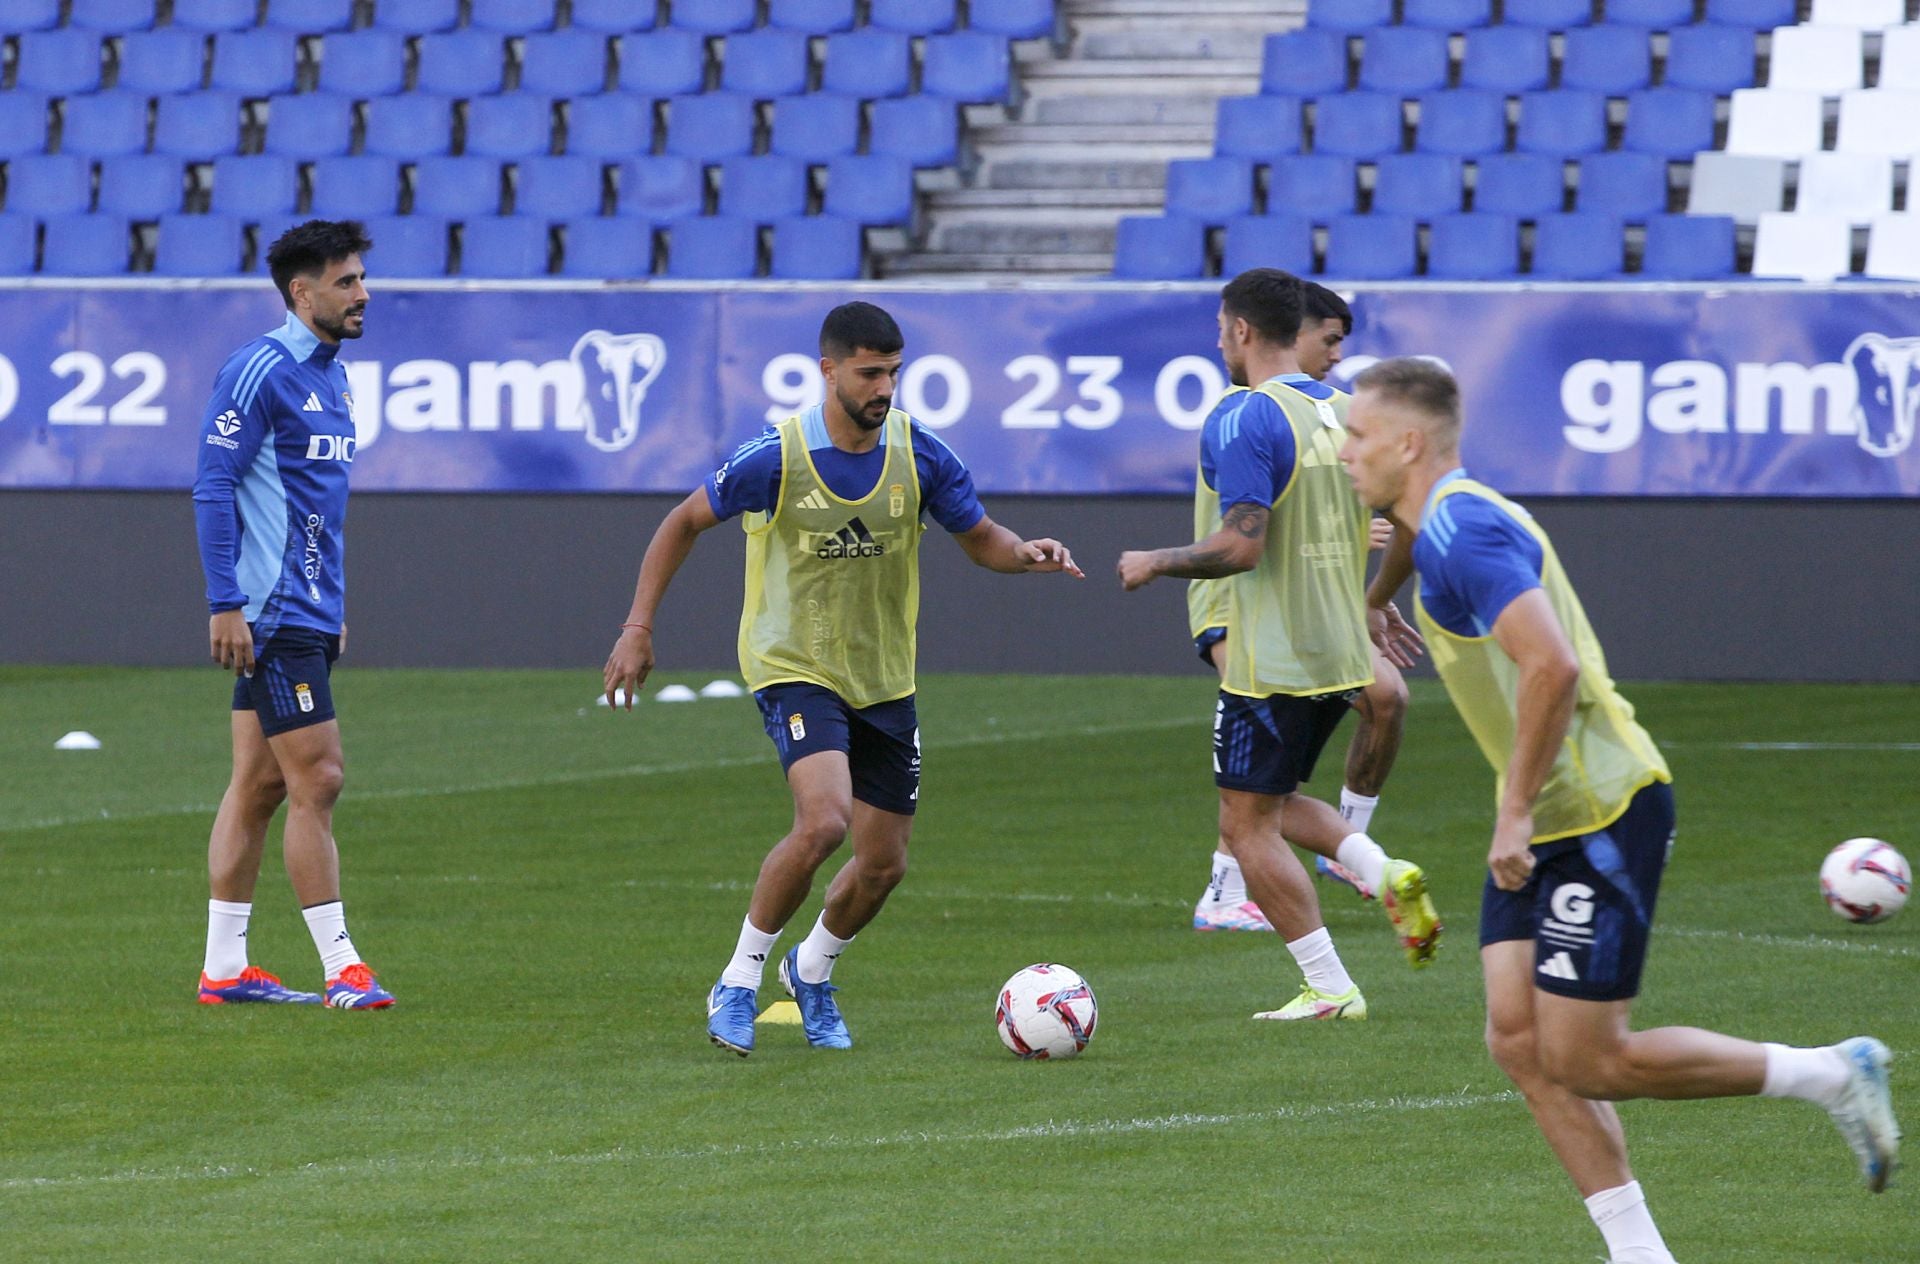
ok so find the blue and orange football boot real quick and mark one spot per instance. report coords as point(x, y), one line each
point(356, 988)
point(252, 986)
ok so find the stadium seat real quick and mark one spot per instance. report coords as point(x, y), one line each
point(1159, 248)
point(197, 125)
point(1473, 248)
point(1774, 123)
point(17, 244)
point(1613, 59)
point(265, 230)
point(1257, 127)
point(965, 66)
point(1505, 59)
point(1865, 15)
point(516, 126)
point(1657, 14)
point(870, 189)
point(1015, 19)
point(1670, 122)
point(465, 63)
point(408, 245)
point(503, 247)
point(1857, 187)
point(661, 189)
point(1709, 58)
point(1314, 185)
point(713, 248)
point(23, 123)
point(1403, 59)
point(417, 17)
point(1464, 123)
point(1799, 247)
point(1448, 15)
point(765, 64)
point(410, 125)
point(512, 17)
point(363, 63)
point(309, 125)
point(112, 17)
point(255, 63)
point(1268, 241)
point(1688, 248)
point(49, 185)
point(355, 187)
point(310, 17)
point(925, 130)
point(1304, 63)
point(264, 184)
point(912, 17)
point(1632, 186)
point(1581, 246)
point(198, 245)
point(58, 62)
point(1893, 247)
point(1900, 58)
point(866, 64)
point(1752, 14)
point(564, 63)
point(214, 15)
point(1879, 121)
point(1357, 124)
point(1370, 247)
point(763, 189)
point(158, 62)
point(29, 15)
point(612, 17)
point(715, 17)
point(1349, 15)
point(1566, 122)
point(816, 127)
point(1212, 190)
point(141, 186)
point(1525, 185)
point(711, 126)
point(1420, 185)
point(1556, 15)
point(611, 249)
point(456, 188)
point(85, 245)
point(613, 126)
point(1822, 59)
point(556, 188)
point(812, 17)
point(102, 124)
point(1732, 184)
point(663, 63)
point(818, 248)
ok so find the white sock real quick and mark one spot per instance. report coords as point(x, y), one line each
point(1812, 1075)
point(1622, 1217)
point(1320, 962)
point(818, 952)
point(1358, 809)
point(1228, 885)
point(226, 939)
point(1364, 856)
point(327, 923)
point(749, 956)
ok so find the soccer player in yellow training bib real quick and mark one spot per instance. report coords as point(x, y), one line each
point(1583, 828)
point(831, 501)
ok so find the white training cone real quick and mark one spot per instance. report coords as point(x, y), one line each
point(675, 693)
point(721, 689)
point(79, 739)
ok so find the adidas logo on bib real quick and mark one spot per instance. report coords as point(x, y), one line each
point(852, 540)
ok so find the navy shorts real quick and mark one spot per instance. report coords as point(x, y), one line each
point(881, 742)
point(1269, 745)
point(1204, 643)
point(1588, 908)
point(288, 687)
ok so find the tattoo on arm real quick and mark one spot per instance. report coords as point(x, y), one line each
point(1247, 520)
point(1209, 558)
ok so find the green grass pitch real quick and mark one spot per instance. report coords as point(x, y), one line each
point(551, 889)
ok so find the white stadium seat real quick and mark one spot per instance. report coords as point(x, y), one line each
point(1774, 123)
point(1893, 249)
point(1879, 121)
point(1900, 57)
point(1865, 15)
point(1854, 186)
point(1822, 59)
point(1803, 247)
point(1731, 184)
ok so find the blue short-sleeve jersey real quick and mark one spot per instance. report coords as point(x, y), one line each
point(1247, 453)
point(1473, 558)
point(750, 480)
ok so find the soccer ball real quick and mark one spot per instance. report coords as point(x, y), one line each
point(1045, 1011)
point(1865, 880)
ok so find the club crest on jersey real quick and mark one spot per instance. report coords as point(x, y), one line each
point(897, 499)
point(797, 726)
point(303, 694)
point(852, 540)
point(615, 372)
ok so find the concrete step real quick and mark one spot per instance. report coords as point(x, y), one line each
point(1125, 135)
point(1120, 201)
point(1113, 109)
point(1292, 12)
point(1036, 237)
point(1138, 39)
point(1031, 173)
point(935, 264)
point(1043, 150)
point(1143, 76)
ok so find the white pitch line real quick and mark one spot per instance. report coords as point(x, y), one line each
point(1817, 943)
point(1798, 746)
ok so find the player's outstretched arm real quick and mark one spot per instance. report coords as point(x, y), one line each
point(1235, 547)
point(1531, 635)
point(632, 659)
point(993, 546)
point(1396, 639)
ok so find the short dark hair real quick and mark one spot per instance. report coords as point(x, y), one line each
point(1419, 383)
point(1324, 304)
point(853, 327)
point(311, 247)
point(1268, 299)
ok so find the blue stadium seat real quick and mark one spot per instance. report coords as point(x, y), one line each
point(1403, 59)
point(85, 245)
point(711, 126)
point(1304, 63)
point(811, 17)
point(763, 189)
point(1710, 58)
point(1315, 185)
point(1370, 247)
point(818, 248)
point(765, 64)
point(1525, 185)
point(866, 64)
point(503, 247)
point(416, 17)
point(1563, 122)
point(310, 17)
point(465, 63)
point(1613, 59)
point(713, 248)
point(1473, 248)
point(197, 125)
point(1582, 246)
point(512, 17)
point(364, 63)
point(1671, 122)
point(159, 62)
point(1448, 15)
point(663, 63)
point(23, 123)
point(267, 229)
point(1159, 248)
point(1555, 15)
point(925, 130)
point(355, 187)
point(310, 125)
point(1015, 19)
point(558, 188)
point(213, 15)
point(17, 244)
point(1505, 59)
point(456, 188)
point(613, 126)
point(103, 124)
point(816, 127)
point(517, 126)
point(255, 63)
point(965, 66)
point(1257, 127)
point(58, 62)
point(1632, 186)
point(263, 184)
point(1688, 248)
point(715, 17)
point(112, 17)
point(661, 189)
point(141, 186)
point(1357, 124)
point(1212, 190)
point(1349, 15)
point(29, 15)
point(612, 17)
point(198, 245)
point(1465, 122)
point(1658, 14)
point(609, 249)
point(408, 245)
point(410, 125)
point(912, 17)
point(1421, 185)
point(49, 185)
point(564, 63)
point(870, 188)
point(1268, 241)
point(1753, 14)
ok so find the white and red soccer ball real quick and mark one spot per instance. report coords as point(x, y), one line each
point(1865, 880)
point(1045, 1011)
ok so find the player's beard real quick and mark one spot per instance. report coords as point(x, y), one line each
point(339, 329)
point(863, 417)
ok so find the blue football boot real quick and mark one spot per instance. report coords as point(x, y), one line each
point(819, 1016)
point(730, 1015)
